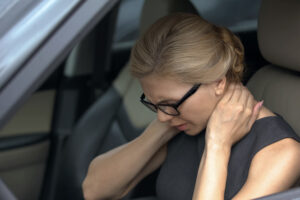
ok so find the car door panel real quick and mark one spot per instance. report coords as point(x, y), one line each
point(22, 169)
point(34, 116)
point(24, 146)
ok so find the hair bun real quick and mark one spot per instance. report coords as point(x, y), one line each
point(235, 46)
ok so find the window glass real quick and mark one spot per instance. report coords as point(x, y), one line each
point(128, 20)
point(234, 14)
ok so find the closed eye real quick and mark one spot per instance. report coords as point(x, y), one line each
point(167, 102)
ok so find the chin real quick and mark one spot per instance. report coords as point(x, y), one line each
point(193, 132)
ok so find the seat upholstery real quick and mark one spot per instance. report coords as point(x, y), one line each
point(278, 84)
point(116, 118)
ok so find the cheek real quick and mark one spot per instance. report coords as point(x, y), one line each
point(199, 110)
point(197, 118)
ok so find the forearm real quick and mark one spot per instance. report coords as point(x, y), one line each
point(212, 173)
point(231, 120)
point(109, 174)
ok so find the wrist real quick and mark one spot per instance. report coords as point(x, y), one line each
point(156, 138)
point(217, 148)
point(217, 152)
point(212, 141)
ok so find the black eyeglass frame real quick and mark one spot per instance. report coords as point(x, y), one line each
point(175, 106)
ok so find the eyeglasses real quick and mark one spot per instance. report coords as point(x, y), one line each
point(169, 109)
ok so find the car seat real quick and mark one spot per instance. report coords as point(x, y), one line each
point(114, 119)
point(278, 83)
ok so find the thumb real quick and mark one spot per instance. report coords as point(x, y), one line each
point(255, 113)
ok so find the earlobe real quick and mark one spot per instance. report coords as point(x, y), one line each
point(220, 86)
point(219, 92)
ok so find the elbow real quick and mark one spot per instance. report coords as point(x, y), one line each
point(88, 190)
point(90, 186)
point(96, 187)
point(91, 191)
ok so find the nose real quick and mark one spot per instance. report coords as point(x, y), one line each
point(163, 117)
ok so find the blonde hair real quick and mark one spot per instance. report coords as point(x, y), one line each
point(187, 47)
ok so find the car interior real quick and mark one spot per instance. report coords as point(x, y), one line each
point(90, 103)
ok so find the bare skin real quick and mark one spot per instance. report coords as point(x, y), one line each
point(130, 163)
point(263, 179)
point(229, 114)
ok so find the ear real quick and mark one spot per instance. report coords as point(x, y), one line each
point(220, 86)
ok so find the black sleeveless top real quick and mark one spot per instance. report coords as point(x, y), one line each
point(177, 176)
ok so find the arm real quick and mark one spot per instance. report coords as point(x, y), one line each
point(273, 169)
point(231, 120)
point(212, 173)
point(113, 174)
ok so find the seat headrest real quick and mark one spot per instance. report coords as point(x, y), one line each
point(279, 32)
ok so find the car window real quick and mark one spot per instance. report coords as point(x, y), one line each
point(128, 20)
point(236, 15)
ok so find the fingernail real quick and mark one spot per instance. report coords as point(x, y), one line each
point(261, 103)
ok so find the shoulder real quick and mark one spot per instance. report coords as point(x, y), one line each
point(274, 165)
point(279, 147)
point(277, 164)
point(273, 169)
point(272, 129)
point(285, 149)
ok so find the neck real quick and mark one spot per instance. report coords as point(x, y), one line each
point(265, 112)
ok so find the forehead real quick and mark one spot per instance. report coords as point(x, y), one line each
point(157, 88)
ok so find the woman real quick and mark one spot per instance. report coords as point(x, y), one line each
point(211, 138)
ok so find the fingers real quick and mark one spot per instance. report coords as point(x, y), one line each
point(244, 96)
point(250, 102)
point(240, 95)
point(234, 116)
point(234, 93)
point(255, 113)
point(228, 94)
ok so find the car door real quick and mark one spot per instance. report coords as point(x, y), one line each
point(35, 39)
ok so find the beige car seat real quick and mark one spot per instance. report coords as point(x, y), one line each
point(278, 83)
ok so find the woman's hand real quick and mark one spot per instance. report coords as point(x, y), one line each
point(233, 117)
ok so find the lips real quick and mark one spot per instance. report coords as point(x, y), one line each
point(181, 127)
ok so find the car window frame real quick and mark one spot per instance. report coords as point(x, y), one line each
point(24, 37)
point(49, 54)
